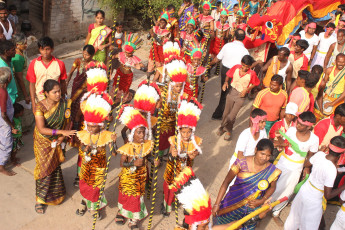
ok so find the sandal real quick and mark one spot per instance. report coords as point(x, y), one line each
point(120, 220)
point(227, 136)
point(80, 212)
point(39, 208)
point(76, 182)
point(133, 224)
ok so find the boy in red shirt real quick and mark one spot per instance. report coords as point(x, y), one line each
point(272, 100)
point(43, 68)
point(243, 80)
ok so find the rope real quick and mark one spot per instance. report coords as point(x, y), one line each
point(175, 164)
point(106, 172)
point(156, 153)
point(111, 54)
point(149, 184)
point(194, 85)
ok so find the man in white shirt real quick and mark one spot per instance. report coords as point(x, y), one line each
point(307, 207)
point(231, 54)
point(309, 35)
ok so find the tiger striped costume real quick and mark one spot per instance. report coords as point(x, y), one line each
point(92, 172)
point(169, 196)
point(132, 184)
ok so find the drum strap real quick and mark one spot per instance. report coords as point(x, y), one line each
point(339, 76)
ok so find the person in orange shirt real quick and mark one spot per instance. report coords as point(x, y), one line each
point(273, 101)
point(243, 80)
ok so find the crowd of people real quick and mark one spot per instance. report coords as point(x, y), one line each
point(294, 146)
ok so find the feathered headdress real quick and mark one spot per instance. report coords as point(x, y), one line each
point(96, 108)
point(192, 20)
point(133, 119)
point(188, 115)
point(165, 15)
point(242, 9)
point(193, 197)
point(195, 49)
point(224, 11)
point(171, 51)
point(145, 100)
point(97, 79)
point(177, 70)
point(132, 42)
point(206, 5)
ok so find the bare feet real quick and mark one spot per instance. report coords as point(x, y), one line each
point(6, 172)
point(15, 162)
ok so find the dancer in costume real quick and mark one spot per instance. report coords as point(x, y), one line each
point(133, 175)
point(309, 204)
point(255, 182)
point(145, 100)
point(184, 147)
point(79, 88)
point(51, 117)
point(160, 34)
point(94, 140)
point(177, 71)
point(96, 82)
point(222, 28)
point(127, 61)
point(187, 36)
point(299, 146)
point(206, 21)
point(195, 69)
point(98, 36)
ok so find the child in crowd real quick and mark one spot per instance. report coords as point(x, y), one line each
point(17, 137)
point(13, 14)
point(43, 68)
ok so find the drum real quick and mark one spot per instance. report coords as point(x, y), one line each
point(329, 110)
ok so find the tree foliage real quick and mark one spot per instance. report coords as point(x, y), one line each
point(142, 7)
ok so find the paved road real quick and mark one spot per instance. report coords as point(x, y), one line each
point(18, 192)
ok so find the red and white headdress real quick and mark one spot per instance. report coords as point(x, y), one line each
point(171, 51)
point(188, 115)
point(177, 70)
point(133, 119)
point(96, 108)
point(97, 79)
point(193, 197)
point(145, 100)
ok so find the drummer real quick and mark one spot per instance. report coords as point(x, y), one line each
point(335, 85)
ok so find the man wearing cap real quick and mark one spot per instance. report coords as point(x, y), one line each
point(226, 55)
point(330, 127)
point(309, 35)
point(285, 123)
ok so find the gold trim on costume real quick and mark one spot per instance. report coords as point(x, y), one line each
point(104, 137)
point(128, 149)
point(190, 148)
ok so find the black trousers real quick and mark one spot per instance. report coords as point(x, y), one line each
point(218, 113)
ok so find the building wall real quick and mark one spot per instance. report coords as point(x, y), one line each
point(69, 19)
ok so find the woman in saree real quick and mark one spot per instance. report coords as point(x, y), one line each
point(255, 183)
point(50, 115)
point(79, 88)
point(98, 36)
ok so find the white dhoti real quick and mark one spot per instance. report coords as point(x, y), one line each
point(339, 222)
point(319, 59)
point(306, 209)
point(291, 167)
